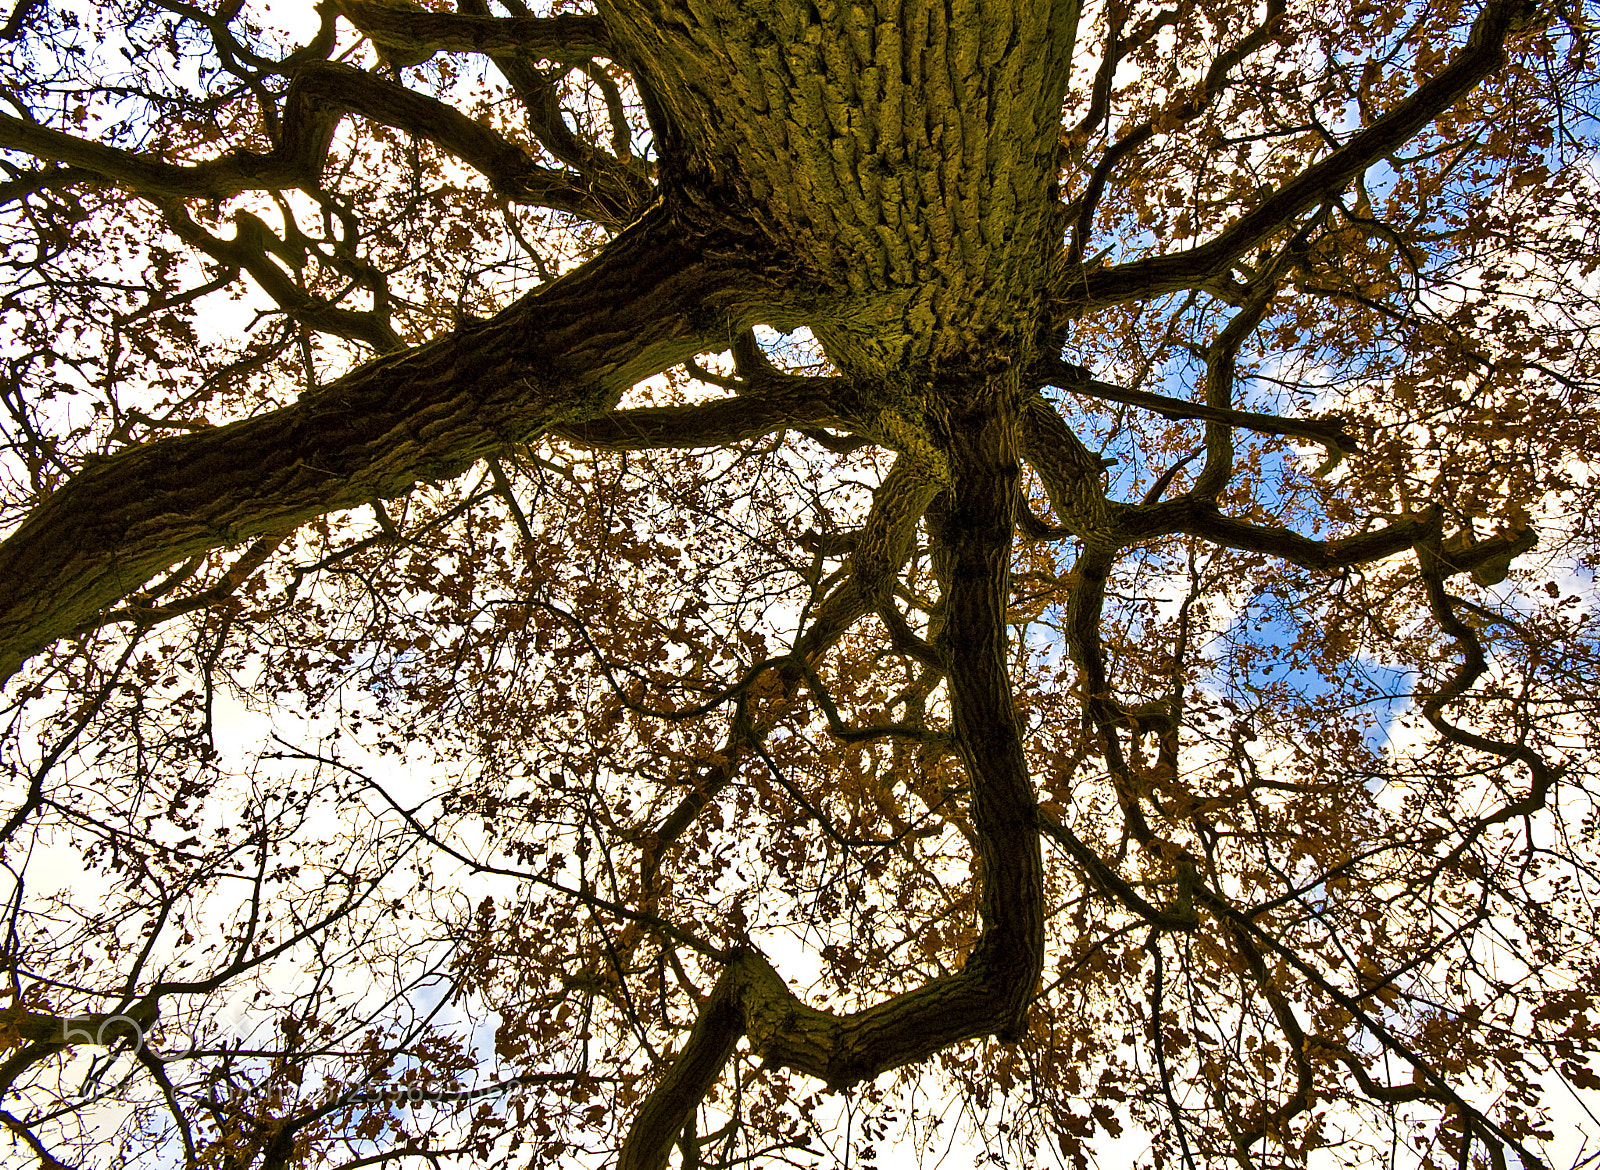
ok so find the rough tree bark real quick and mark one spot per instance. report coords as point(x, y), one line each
point(883, 173)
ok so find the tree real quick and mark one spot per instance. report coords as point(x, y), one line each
point(960, 555)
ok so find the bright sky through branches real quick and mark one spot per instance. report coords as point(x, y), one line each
point(798, 584)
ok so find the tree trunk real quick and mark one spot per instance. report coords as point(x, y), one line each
point(904, 157)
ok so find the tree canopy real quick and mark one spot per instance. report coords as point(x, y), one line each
point(748, 582)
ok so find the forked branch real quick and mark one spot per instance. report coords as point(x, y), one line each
point(1483, 53)
point(1335, 434)
point(560, 355)
point(990, 995)
point(321, 95)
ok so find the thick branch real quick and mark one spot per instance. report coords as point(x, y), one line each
point(1103, 876)
point(99, 1028)
point(1195, 517)
point(320, 96)
point(713, 424)
point(1439, 1088)
point(1171, 118)
point(1331, 433)
point(419, 33)
point(1071, 473)
point(1438, 564)
point(39, 1035)
point(253, 248)
point(991, 993)
point(977, 533)
point(608, 177)
point(1222, 361)
point(140, 612)
point(1483, 53)
point(560, 355)
point(885, 541)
